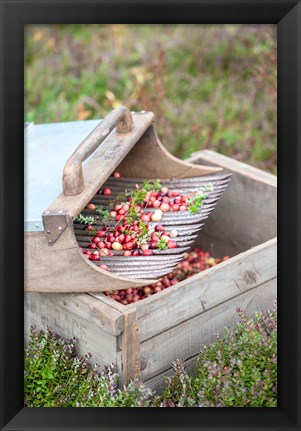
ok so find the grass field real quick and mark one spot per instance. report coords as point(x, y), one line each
point(210, 86)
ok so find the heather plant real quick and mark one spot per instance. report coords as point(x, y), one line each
point(56, 377)
point(237, 370)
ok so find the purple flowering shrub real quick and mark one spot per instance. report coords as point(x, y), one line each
point(237, 370)
point(56, 377)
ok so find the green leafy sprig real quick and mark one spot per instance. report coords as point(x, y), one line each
point(85, 220)
point(162, 244)
point(105, 214)
point(196, 202)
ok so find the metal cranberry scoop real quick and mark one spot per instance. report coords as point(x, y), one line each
point(188, 225)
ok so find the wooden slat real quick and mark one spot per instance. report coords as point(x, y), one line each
point(246, 214)
point(95, 311)
point(185, 340)
point(130, 348)
point(230, 164)
point(207, 289)
point(109, 301)
point(69, 316)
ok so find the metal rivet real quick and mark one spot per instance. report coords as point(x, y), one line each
point(48, 232)
point(37, 225)
point(60, 228)
point(50, 242)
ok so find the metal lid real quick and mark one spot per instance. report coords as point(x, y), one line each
point(47, 148)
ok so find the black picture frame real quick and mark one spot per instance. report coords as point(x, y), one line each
point(16, 14)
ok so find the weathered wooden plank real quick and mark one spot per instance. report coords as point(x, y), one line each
point(212, 157)
point(63, 267)
point(185, 340)
point(108, 301)
point(108, 318)
point(45, 310)
point(206, 289)
point(73, 181)
point(246, 214)
point(130, 347)
point(149, 159)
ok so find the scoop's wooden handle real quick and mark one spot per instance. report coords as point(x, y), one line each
point(73, 179)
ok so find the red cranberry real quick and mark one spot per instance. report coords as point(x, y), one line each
point(171, 244)
point(107, 191)
point(147, 252)
point(101, 233)
point(100, 244)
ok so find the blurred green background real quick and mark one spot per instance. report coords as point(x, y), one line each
point(210, 86)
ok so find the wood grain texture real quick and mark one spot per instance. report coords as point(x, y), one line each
point(73, 179)
point(109, 301)
point(71, 316)
point(64, 268)
point(246, 214)
point(230, 164)
point(186, 339)
point(207, 289)
point(130, 348)
point(150, 160)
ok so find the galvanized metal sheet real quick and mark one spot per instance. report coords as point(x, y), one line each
point(187, 225)
point(47, 148)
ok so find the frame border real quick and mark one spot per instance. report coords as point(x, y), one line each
point(17, 13)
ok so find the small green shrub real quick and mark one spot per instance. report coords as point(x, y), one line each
point(56, 377)
point(238, 370)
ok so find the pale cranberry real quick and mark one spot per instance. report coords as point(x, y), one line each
point(91, 207)
point(116, 246)
point(164, 207)
point(103, 267)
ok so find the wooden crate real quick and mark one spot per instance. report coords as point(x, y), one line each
point(144, 338)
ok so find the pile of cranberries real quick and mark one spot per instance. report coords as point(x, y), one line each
point(195, 262)
point(138, 235)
